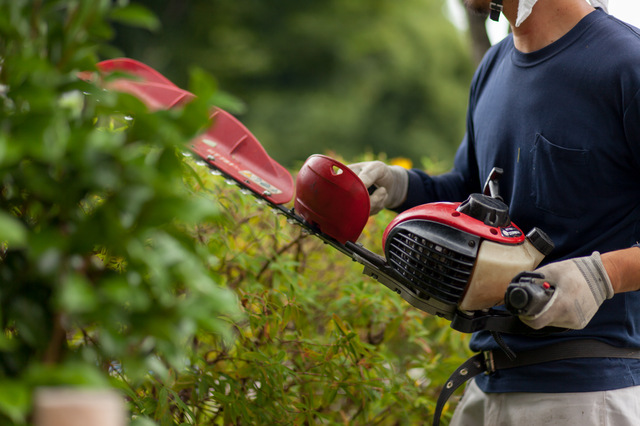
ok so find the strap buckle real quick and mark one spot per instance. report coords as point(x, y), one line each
point(496, 6)
point(489, 362)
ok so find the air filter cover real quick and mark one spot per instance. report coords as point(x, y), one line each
point(332, 197)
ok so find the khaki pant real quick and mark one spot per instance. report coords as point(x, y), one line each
point(619, 407)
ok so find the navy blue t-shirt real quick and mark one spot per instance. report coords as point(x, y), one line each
point(564, 125)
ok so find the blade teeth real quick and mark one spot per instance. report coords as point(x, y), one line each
point(243, 190)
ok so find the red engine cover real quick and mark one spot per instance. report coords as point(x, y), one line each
point(446, 214)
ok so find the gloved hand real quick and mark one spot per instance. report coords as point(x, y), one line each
point(581, 285)
point(392, 183)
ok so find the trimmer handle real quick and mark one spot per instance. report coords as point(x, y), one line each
point(528, 293)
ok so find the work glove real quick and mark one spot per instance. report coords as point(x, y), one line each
point(392, 183)
point(581, 285)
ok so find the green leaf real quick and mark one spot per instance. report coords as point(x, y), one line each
point(181, 404)
point(12, 231)
point(15, 399)
point(157, 367)
point(30, 321)
point(163, 403)
point(202, 84)
point(221, 397)
point(142, 421)
point(136, 15)
point(199, 209)
point(280, 357)
point(329, 395)
point(341, 325)
point(68, 374)
point(7, 344)
point(286, 316)
point(77, 295)
point(229, 102)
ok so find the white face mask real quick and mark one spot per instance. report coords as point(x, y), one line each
point(525, 6)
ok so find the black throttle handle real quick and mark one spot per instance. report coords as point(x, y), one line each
point(528, 293)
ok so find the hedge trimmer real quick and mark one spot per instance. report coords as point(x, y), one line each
point(436, 255)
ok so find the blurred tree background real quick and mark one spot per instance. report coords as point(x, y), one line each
point(348, 76)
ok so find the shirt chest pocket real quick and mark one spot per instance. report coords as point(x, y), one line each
point(560, 178)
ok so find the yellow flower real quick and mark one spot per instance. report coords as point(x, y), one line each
point(402, 162)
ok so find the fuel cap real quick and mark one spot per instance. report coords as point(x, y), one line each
point(490, 211)
point(541, 241)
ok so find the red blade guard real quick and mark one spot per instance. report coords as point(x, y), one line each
point(228, 145)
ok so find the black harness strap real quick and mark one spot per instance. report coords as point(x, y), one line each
point(495, 9)
point(469, 369)
point(491, 361)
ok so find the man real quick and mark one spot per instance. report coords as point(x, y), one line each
point(557, 106)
